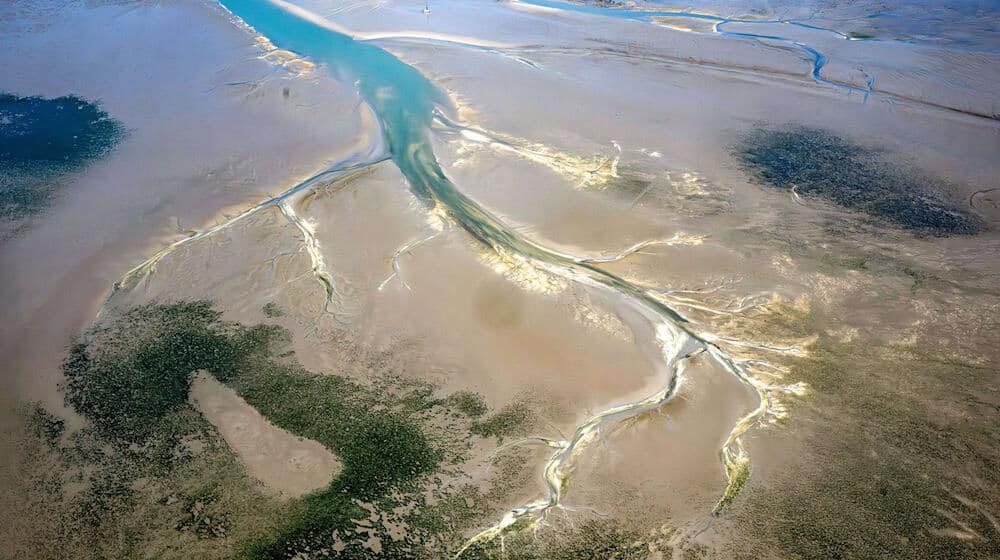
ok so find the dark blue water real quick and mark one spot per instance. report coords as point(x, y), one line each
point(43, 139)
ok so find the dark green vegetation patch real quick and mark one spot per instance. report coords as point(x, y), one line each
point(468, 403)
point(46, 427)
point(397, 441)
point(134, 372)
point(902, 459)
point(817, 163)
point(594, 539)
point(43, 139)
point(511, 420)
point(271, 310)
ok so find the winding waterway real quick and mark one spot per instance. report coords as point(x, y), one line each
point(407, 104)
point(817, 58)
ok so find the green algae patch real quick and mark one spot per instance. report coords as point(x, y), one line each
point(901, 461)
point(132, 373)
point(888, 454)
point(595, 539)
point(513, 419)
point(43, 139)
point(817, 163)
point(402, 446)
point(46, 426)
point(738, 473)
point(468, 403)
point(271, 310)
point(382, 451)
point(82, 496)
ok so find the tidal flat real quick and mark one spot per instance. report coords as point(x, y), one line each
point(529, 279)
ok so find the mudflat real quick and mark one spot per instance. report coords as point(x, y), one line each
point(526, 279)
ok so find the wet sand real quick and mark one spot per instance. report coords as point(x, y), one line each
point(288, 465)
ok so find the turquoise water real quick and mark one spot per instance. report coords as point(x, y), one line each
point(401, 96)
point(404, 102)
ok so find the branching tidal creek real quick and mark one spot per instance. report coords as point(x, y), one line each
point(407, 105)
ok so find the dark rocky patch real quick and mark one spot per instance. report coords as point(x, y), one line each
point(818, 163)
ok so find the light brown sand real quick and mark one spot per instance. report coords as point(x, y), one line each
point(287, 464)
